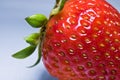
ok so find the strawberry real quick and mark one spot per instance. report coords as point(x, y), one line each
point(81, 41)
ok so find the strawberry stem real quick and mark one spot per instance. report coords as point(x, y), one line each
point(57, 1)
point(58, 7)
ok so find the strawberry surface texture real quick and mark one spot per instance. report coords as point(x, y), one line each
point(82, 41)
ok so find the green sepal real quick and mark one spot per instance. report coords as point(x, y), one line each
point(36, 20)
point(33, 39)
point(24, 53)
point(38, 60)
point(58, 7)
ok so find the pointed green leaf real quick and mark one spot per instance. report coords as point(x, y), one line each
point(24, 53)
point(33, 39)
point(37, 20)
point(38, 60)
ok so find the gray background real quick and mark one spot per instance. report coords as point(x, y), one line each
point(13, 29)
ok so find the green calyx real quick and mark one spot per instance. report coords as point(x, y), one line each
point(58, 7)
point(35, 39)
point(24, 53)
point(37, 20)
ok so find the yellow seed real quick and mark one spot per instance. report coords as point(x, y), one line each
point(68, 27)
point(104, 71)
point(118, 24)
point(72, 74)
point(101, 65)
point(105, 22)
point(111, 63)
point(115, 15)
point(73, 16)
point(61, 53)
point(68, 69)
point(101, 77)
point(98, 22)
point(71, 50)
point(87, 41)
point(93, 48)
point(92, 72)
point(96, 29)
point(117, 57)
point(55, 59)
point(56, 65)
point(95, 36)
point(102, 45)
point(115, 32)
point(57, 44)
point(59, 72)
point(76, 60)
point(73, 36)
point(105, 12)
point(82, 31)
point(113, 72)
point(89, 64)
point(107, 55)
point(80, 68)
point(116, 40)
point(106, 5)
point(81, 8)
point(107, 40)
point(66, 61)
point(59, 31)
point(111, 22)
point(85, 24)
point(85, 17)
point(112, 48)
point(61, 18)
point(73, 22)
point(80, 46)
point(84, 55)
point(97, 57)
point(63, 41)
point(107, 32)
point(56, 22)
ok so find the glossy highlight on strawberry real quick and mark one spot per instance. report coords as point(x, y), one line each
point(82, 41)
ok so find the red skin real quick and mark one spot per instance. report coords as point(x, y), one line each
point(82, 42)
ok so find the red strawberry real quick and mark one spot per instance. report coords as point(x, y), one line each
point(82, 42)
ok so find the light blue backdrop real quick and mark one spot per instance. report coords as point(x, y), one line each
point(13, 29)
